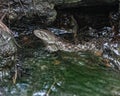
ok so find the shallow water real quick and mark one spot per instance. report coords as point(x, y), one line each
point(63, 74)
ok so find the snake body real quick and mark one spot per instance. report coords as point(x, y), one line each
point(54, 43)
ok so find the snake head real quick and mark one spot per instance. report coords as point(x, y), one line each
point(46, 36)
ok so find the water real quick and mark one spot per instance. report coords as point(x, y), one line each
point(63, 74)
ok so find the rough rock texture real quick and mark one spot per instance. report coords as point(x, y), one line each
point(73, 3)
point(17, 9)
point(8, 47)
point(42, 9)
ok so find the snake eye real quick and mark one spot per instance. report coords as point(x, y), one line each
point(45, 35)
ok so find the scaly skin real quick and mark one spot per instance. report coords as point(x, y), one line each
point(54, 43)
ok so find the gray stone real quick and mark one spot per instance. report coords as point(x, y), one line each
point(43, 9)
point(8, 47)
point(74, 3)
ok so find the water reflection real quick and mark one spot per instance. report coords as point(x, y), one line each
point(65, 74)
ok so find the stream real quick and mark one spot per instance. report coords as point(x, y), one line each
point(63, 74)
point(41, 73)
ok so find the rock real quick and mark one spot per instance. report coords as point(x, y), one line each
point(73, 3)
point(8, 47)
point(43, 10)
point(17, 9)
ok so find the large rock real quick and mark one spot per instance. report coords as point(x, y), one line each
point(43, 9)
point(8, 47)
point(69, 3)
point(17, 9)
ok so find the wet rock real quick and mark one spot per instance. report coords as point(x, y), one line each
point(7, 48)
point(73, 3)
point(43, 9)
point(112, 53)
point(2, 92)
point(17, 9)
